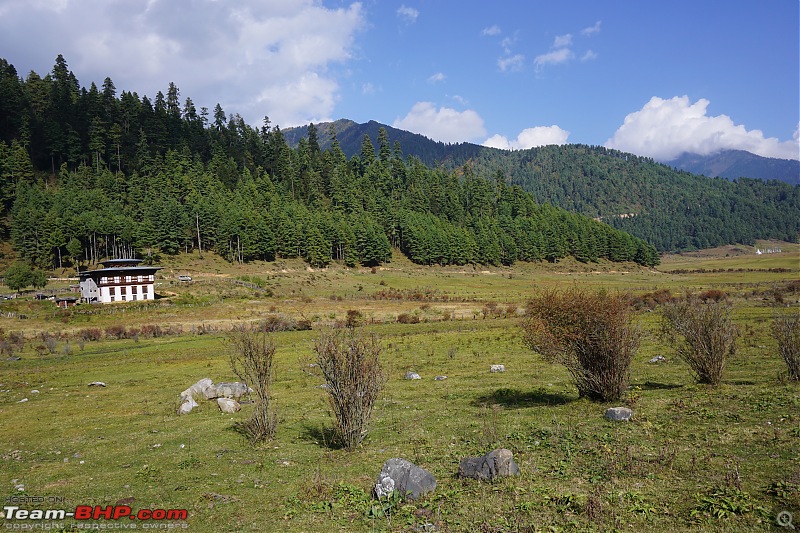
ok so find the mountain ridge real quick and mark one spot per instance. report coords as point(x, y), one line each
point(733, 164)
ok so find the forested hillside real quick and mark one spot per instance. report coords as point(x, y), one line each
point(671, 209)
point(87, 174)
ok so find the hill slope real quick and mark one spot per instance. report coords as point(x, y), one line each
point(672, 209)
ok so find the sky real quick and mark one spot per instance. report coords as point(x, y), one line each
point(652, 78)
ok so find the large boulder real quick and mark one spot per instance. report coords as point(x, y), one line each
point(497, 463)
point(404, 476)
point(228, 405)
point(412, 375)
point(187, 405)
point(233, 390)
point(202, 388)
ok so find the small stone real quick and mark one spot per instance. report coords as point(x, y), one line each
point(657, 359)
point(23, 400)
point(412, 375)
point(96, 384)
point(34, 391)
point(497, 368)
point(440, 378)
point(622, 414)
point(497, 463)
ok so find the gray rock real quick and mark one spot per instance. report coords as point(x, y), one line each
point(200, 389)
point(440, 378)
point(233, 390)
point(186, 406)
point(619, 414)
point(658, 359)
point(412, 375)
point(96, 384)
point(228, 405)
point(497, 368)
point(406, 477)
point(496, 463)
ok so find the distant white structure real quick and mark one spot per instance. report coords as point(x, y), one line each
point(121, 280)
point(759, 251)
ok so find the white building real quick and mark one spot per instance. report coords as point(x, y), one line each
point(120, 280)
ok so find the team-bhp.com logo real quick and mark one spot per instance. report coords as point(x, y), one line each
point(96, 512)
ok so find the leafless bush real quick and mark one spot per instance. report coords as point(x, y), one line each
point(116, 331)
point(490, 310)
point(590, 333)
point(702, 333)
point(281, 322)
point(349, 361)
point(152, 331)
point(786, 330)
point(90, 334)
point(252, 355)
point(355, 318)
point(405, 318)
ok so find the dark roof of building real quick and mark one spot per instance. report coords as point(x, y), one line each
point(120, 262)
point(119, 271)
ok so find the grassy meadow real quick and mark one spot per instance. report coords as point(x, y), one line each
point(692, 457)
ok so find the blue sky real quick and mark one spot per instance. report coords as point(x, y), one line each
point(652, 78)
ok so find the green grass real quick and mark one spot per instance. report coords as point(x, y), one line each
point(692, 458)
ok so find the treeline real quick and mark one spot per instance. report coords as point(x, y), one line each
point(674, 210)
point(86, 175)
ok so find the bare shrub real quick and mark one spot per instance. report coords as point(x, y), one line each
point(90, 334)
point(490, 310)
point(714, 295)
point(405, 318)
point(590, 333)
point(252, 355)
point(115, 332)
point(354, 318)
point(50, 342)
point(152, 331)
point(281, 322)
point(349, 361)
point(702, 333)
point(786, 330)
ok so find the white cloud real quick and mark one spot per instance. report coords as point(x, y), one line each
point(589, 55)
point(367, 88)
point(443, 124)
point(591, 30)
point(409, 14)
point(439, 76)
point(663, 129)
point(529, 138)
point(492, 30)
point(562, 41)
point(514, 62)
point(254, 57)
point(555, 57)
